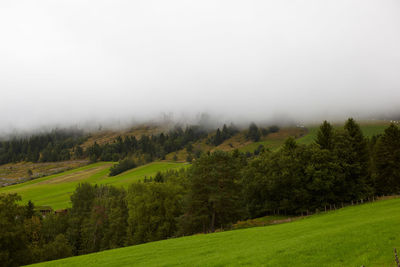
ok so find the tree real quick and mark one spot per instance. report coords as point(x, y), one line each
point(352, 153)
point(153, 209)
point(57, 249)
point(29, 210)
point(82, 199)
point(387, 161)
point(253, 133)
point(122, 166)
point(159, 178)
point(325, 136)
point(218, 138)
point(13, 242)
point(117, 212)
point(213, 198)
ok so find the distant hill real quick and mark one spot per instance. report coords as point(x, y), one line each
point(55, 190)
point(18, 172)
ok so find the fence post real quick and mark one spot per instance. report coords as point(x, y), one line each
point(396, 258)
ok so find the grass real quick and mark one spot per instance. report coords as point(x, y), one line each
point(108, 136)
point(352, 236)
point(14, 172)
point(275, 140)
point(368, 128)
point(55, 190)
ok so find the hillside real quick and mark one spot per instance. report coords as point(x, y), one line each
point(352, 236)
point(273, 141)
point(55, 190)
point(102, 137)
point(368, 128)
point(18, 172)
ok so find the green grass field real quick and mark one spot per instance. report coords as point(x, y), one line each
point(55, 190)
point(368, 129)
point(272, 144)
point(352, 236)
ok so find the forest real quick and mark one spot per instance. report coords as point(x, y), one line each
point(340, 168)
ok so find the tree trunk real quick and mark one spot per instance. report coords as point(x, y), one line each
point(213, 222)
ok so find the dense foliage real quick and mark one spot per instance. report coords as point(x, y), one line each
point(340, 168)
point(220, 136)
point(54, 146)
point(147, 148)
point(122, 166)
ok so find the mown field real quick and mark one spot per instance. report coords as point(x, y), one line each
point(55, 190)
point(14, 172)
point(352, 236)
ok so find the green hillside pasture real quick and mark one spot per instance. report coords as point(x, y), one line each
point(272, 144)
point(368, 129)
point(274, 141)
point(352, 236)
point(55, 190)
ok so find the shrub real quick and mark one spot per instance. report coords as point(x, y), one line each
point(122, 166)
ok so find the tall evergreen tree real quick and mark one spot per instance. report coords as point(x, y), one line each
point(253, 132)
point(213, 198)
point(387, 161)
point(353, 154)
point(325, 136)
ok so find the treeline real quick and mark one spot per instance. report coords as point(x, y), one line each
point(220, 136)
point(255, 133)
point(53, 146)
point(60, 145)
point(341, 167)
point(101, 217)
point(147, 148)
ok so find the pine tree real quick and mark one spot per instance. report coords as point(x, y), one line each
point(325, 136)
point(213, 197)
point(353, 154)
point(218, 138)
point(387, 161)
point(253, 133)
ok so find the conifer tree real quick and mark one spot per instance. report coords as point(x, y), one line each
point(387, 161)
point(253, 133)
point(325, 136)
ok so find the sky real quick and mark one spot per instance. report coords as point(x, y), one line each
point(68, 62)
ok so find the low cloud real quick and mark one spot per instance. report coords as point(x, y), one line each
point(92, 62)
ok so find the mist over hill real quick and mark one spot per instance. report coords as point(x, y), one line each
point(97, 63)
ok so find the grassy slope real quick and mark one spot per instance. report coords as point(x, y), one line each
point(106, 136)
point(275, 140)
point(55, 190)
point(12, 172)
point(353, 236)
point(368, 128)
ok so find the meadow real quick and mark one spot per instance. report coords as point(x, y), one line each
point(369, 129)
point(55, 190)
point(353, 236)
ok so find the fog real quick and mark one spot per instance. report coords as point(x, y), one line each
point(92, 62)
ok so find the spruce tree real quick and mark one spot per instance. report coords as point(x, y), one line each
point(353, 155)
point(387, 161)
point(253, 133)
point(325, 136)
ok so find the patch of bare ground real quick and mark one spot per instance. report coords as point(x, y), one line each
point(108, 136)
point(18, 172)
point(76, 176)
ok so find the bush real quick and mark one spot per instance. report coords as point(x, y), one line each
point(122, 166)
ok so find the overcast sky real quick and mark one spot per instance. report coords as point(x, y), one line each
point(75, 61)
